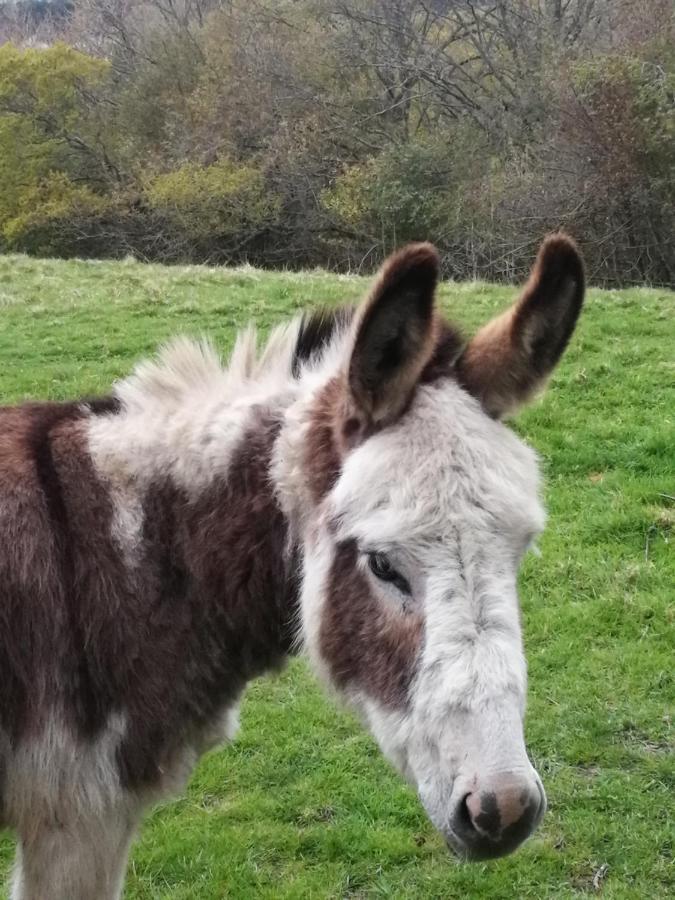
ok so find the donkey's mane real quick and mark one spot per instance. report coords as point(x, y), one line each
point(316, 332)
point(192, 371)
point(186, 369)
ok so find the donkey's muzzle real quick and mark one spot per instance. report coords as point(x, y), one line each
point(498, 816)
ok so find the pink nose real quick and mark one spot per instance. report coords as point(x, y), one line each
point(496, 817)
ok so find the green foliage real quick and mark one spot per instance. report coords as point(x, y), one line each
point(48, 206)
point(305, 132)
point(302, 805)
point(46, 153)
point(224, 201)
point(47, 84)
point(419, 190)
point(628, 103)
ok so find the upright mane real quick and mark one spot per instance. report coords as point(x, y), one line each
point(316, 333)
point(187, 369)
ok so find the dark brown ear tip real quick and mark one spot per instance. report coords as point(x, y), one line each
point(559, 251)
point(421, 252)
point(414, 260)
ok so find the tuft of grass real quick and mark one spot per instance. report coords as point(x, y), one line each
point(302, 805)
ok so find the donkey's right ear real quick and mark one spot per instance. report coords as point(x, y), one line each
point(395, 337)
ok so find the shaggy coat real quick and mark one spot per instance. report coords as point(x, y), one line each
point(347, 491)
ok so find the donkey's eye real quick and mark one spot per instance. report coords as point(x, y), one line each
point(381, 567)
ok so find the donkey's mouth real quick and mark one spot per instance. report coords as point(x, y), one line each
point(482, 850)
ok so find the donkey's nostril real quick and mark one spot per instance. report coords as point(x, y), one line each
point(485, 813)
point(463, 816)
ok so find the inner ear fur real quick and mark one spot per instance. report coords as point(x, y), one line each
point(395, 337)
point(513, 355)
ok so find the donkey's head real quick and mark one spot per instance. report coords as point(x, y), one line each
point(421, 507)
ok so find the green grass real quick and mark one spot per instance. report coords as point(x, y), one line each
point(301, 805)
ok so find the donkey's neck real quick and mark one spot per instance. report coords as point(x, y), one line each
point(239, 549)
point(203, 571)
point(188, 461)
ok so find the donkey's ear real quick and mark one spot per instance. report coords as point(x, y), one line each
point(511, 357)
point(394, 335)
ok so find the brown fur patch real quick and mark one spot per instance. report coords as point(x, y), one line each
point(365, 644)
point(493, 368)
point(222, 602)
point(169, 642)
point(317, 330)
point(37, 576)
point(336, 424)
point(323, 454)
point(447, 350)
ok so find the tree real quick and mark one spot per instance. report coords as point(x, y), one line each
point(53, 163)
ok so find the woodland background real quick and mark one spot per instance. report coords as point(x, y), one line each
point(302, 133)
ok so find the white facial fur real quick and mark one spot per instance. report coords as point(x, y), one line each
point(451, 496)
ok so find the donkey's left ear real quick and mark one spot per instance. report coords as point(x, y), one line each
point(511, 357)
point(395, 336)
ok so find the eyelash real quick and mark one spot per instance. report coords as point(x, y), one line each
point(382, 569)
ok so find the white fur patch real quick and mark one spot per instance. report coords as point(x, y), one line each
point(222, 731)
point(182, 418)
point(77, 860)
point(452, 497)
point(52, 776)
point(318, 559)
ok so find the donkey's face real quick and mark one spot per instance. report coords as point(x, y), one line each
point(424, 506)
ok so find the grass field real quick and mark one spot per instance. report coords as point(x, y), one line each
point(301, 805)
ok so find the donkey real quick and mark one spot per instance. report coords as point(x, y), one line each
point(348, 491)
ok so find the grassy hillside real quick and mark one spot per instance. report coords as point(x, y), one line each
point(302, 806)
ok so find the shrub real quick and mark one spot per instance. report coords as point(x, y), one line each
point(214, 207)
point(429, 189)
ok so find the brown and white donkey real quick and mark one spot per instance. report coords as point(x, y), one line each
point(348, 491)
